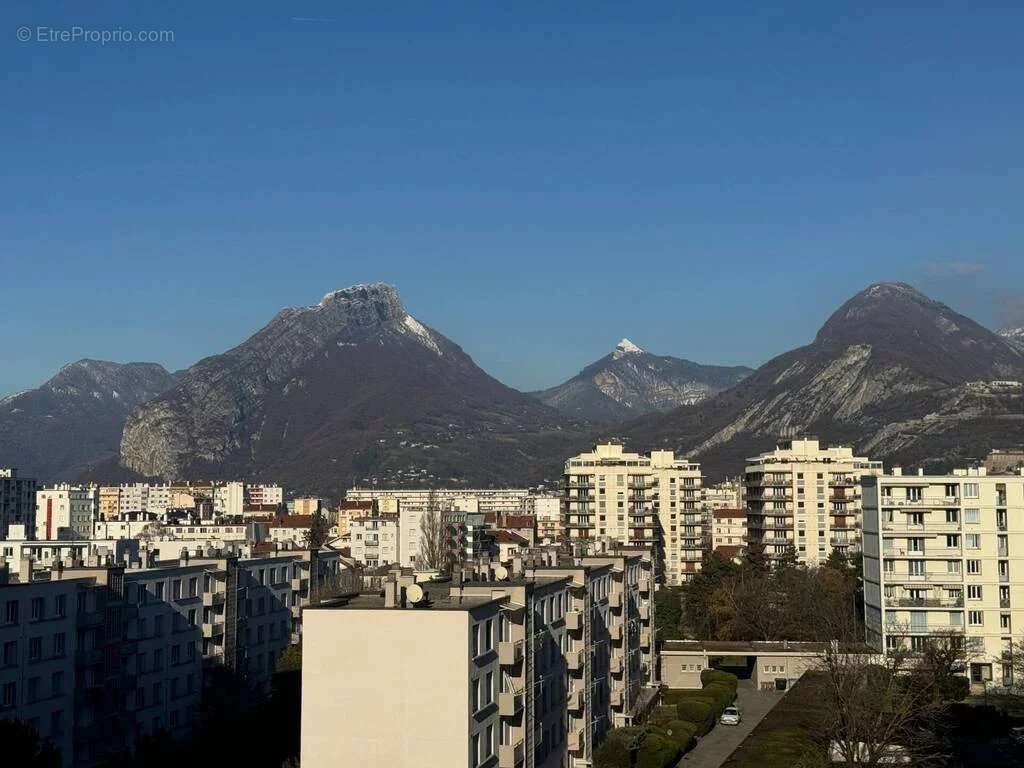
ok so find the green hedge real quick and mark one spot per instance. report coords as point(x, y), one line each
point(700, 713)
point(662, 714)
point(612, 754)
point(709, 676)
point(683, 733)
point(722, 695)
point(657, 751)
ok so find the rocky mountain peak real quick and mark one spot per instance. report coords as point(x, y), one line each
point(626, 347)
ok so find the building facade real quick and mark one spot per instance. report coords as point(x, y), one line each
point(374, 540)
point(626, 498)
point(804, 501)
point(944, 557)
point(66, 511)
point(17, 503)
point(528, 666)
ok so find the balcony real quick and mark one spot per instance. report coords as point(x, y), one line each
point(575, 742)
point(925, 602)
point(510, 703)
point(575, 702)
point(923, 503)
point(574, 620)
point(510, 652)
point(511, 755)
point(615, 632)
point(214, 629)
point(1004, 602)
point(615, 600)
point(644, 583)
point(211, 599)
point(574, 660)
point(645, 638)
point(89, 657)
point(645, 611)
point(615, 698)
point(616, 666)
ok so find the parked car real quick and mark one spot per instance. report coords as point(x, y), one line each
point(1017, 734)
point(731, 715)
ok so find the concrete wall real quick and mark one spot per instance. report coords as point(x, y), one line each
point(366, 679)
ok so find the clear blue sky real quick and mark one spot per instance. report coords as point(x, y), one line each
point(538, 179)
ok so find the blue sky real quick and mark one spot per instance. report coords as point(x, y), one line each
point(538, 179)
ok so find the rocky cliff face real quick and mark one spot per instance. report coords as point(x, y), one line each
point(75, 419)
point(630, 382)
point(350, 388)
point(1014, 337)
point(893, 372)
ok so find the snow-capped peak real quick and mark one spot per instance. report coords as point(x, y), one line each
point(626, 347)
point(1013, 333)
point(415, 327)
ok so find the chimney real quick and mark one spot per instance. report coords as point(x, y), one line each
point(920, 471)
point(897, 471)
point(183, 557)
point(517, 566)
point(56, 570)
point(390, 594)
point(25, 569)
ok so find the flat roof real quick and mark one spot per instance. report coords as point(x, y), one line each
point(755, 647)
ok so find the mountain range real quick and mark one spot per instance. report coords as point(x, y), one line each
point(899, 376)
point(75, 419)
point(354, 389)
point(629, 382)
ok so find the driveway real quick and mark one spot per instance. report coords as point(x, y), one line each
point(712, 750)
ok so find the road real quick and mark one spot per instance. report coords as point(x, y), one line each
point(712, 750)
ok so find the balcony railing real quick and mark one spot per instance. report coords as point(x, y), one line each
point(573, 620)
point(574, 660)
point(925, 602)
point(922, 503)
point(615, 599)
point(510, 703)
point(511, 755)
point(575, 703)
point(510, 652)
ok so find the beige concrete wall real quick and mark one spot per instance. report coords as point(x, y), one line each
point(682, 670)
point(377, 695)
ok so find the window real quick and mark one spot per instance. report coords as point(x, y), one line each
point(972, 515)
point(59, 645)
point(176, 589)
point(974, 592)
point(975, 618)
point(489, 692)
point(57, 683)
point(60, 605)
point(35, 649)
point(971, 490)
point(476, 695)
point(974, 566)
point(10, 657)
point(38, 609)
point(475, 757)
point(973, 540)
point(476, 640)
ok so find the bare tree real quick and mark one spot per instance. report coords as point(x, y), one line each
point(882, 709)
point(431, 550)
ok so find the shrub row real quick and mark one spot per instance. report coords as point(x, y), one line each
point(673, 727)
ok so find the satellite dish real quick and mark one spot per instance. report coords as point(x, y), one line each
point(414, 593)
point(501, 573)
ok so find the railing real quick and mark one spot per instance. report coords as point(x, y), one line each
point(511, 755)
point(510, 652)
point(925, 503)
point(510, 703)
point(574, 660)
point(573, 620)
point(575, 702)
point(925, 602)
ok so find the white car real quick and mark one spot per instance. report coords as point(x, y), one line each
point(731, 715)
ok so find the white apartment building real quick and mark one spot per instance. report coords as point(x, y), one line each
point(374, 540)
point(17, 502)
point(725, 495)
point(44, 553)
point(805, 498)
point(66, 511)
point(728, 531)
point(446, 499)
point(651, 501)
point(944, 555)
point(547, 510)
point(229, 499)
point(259, 495)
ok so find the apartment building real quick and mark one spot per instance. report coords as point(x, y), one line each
point(229, 499)
point(45, 553)
point(725, 495)
point(728, 531)
point(17, 502)
point(109, 501)
point(374, 540)
point(944, 556)
point(627, 498)
point(461, 499)
point(96, 655)
point(804, 498)
point(37, 656)
point(259, 495)
point(66, 512)
point(547, 513)
point(528, 666)
point(349, 510)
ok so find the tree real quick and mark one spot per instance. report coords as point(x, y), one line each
point(431, 553)
point(668, 613)
point(319, 532)
point(879, 710)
